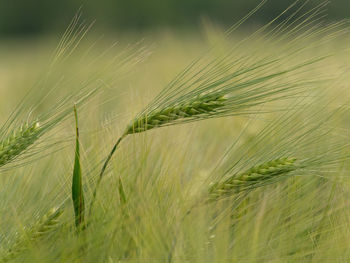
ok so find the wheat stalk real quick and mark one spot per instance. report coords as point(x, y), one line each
point(252, 178)
point(236, 82)
point(43, 227)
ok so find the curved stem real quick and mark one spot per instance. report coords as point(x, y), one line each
point(103, 171)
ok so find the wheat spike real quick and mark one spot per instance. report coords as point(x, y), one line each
point(18, 141)
point(253, 178)
point(46, 224)
point(43, 227)
point(201, 105)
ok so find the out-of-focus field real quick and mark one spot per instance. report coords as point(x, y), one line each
point(300, 219)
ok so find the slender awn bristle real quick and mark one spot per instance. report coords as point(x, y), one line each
point(18, 141)
point(200, 105)
point(252, 178)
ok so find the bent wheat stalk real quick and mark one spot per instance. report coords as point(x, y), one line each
point(236, 82)
point(201, 105)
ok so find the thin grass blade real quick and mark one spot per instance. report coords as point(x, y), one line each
point(77, 189)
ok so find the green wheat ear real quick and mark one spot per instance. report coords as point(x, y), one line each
point(46, 224)
point(43, 227)
point(18, 141)
point(254, 177)
point(201, 105)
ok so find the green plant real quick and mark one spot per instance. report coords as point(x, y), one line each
point(279, 193)
point(18, 141)
point(237, 82)
point(254, 177)
point(43, 227)
point(77, 187)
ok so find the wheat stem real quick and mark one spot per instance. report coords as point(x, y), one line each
point(103, 171)
point(202, 104)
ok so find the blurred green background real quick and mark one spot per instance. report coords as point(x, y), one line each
point(35, 17)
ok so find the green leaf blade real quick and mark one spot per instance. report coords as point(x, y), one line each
point(77, 189)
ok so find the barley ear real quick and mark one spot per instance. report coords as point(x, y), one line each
point(47, 224)
point(254, 177)
point(201, 105)
point(18, 141)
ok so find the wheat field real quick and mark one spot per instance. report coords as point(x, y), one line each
point(229, 146)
